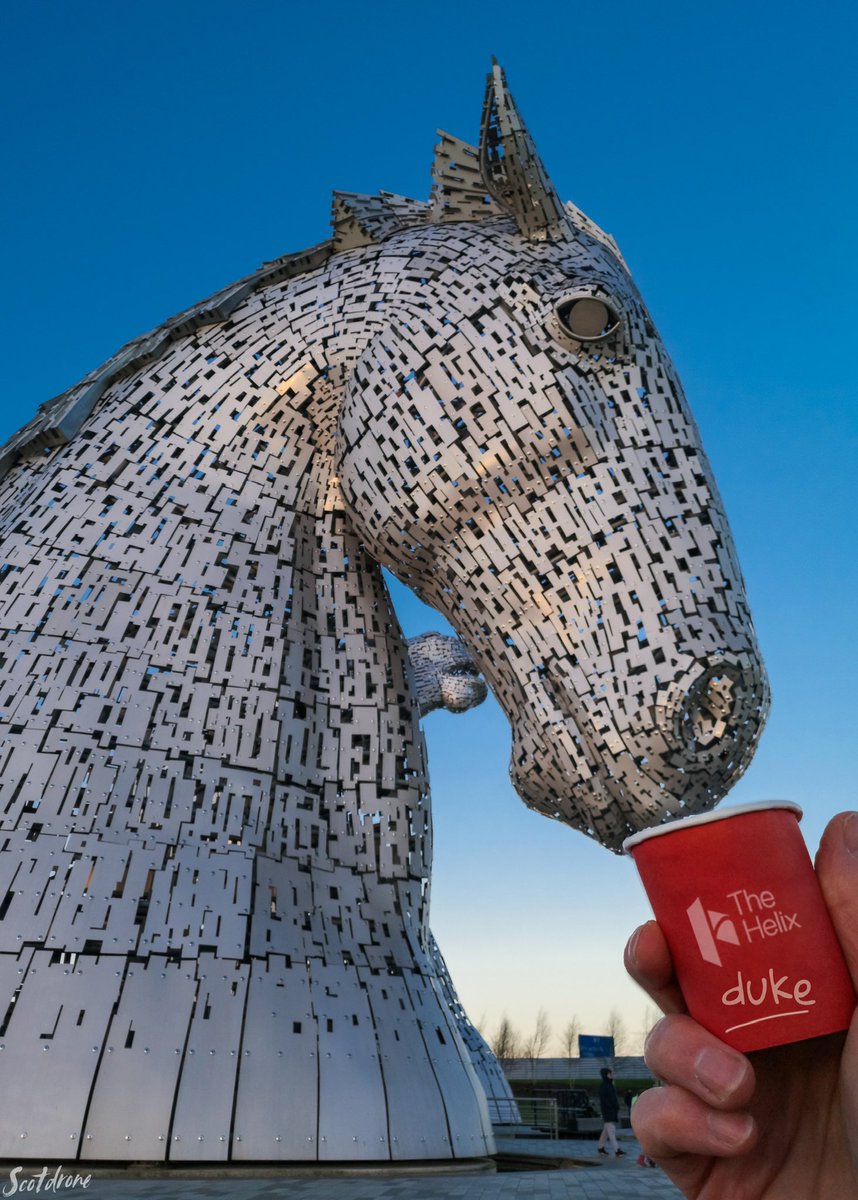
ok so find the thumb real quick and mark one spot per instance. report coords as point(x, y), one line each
point(837, 870)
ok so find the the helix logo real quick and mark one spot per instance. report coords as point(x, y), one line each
point(708, 926)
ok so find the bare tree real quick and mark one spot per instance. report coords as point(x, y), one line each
point(568, 1042)
point(506, 1043)
point(569, 1038)
point(651, 1017)
point(536, 1045)
point(617, 1030)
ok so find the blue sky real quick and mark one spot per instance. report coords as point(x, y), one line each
point(158, 150)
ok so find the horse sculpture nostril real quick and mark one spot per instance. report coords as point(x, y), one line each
point(712, 707)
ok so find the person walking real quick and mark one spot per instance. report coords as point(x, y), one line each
point(610, 1105)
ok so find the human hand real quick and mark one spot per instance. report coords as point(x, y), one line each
point(780, 1124)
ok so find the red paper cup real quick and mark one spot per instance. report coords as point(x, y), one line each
point(737, 899)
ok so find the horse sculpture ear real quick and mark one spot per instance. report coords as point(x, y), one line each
point(511, 169)
point(458, 189)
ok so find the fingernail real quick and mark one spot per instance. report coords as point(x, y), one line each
point(651, 1037)
point(632, 947)
point(850, 833)
point(719, 1072)
point(731, 1129)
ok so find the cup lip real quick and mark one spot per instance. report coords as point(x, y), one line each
point(721, 814)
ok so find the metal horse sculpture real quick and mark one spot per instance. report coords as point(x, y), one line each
point(216, 830)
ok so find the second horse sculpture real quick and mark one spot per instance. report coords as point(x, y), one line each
point(216, 833)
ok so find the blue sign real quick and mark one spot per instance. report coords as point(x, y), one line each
point(595, 1047)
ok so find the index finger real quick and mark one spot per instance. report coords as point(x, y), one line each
point(647, 959)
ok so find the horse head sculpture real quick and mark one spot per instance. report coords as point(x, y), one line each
point(545, 488)
point(214, 800)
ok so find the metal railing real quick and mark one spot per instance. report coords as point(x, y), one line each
point(503, 1110)
point(536, 1112)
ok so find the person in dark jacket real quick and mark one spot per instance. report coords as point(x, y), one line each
point(610, 1106)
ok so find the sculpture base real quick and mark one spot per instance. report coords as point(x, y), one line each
point(227, 1171)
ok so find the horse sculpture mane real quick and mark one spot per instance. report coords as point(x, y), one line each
point(217, 838)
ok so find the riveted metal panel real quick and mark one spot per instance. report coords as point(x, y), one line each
point(464, 1099)
point(129, 1116)
point(417, 1117)
point(348, 1066)
point(96, 890)
point(30, 867)
point(276, 1115)
point(202, 898)
point(203, 1116)
point(52, 1049)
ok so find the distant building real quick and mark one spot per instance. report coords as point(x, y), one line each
point(563, 1069)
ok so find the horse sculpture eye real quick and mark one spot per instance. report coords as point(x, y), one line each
point(587, 319)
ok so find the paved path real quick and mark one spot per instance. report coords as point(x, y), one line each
point(610, 1179)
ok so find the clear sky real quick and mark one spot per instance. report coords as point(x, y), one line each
point(156, 150)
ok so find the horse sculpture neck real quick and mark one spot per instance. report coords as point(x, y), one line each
point(221, 759)
point(211, 471)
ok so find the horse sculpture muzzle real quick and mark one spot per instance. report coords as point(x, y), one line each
point(679, 753)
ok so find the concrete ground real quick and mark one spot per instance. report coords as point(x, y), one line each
point(607, 1179)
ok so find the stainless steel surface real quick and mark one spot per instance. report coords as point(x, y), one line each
point(214, 789)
